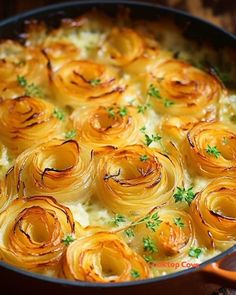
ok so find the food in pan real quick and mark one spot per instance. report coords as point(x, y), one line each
point(117, 150)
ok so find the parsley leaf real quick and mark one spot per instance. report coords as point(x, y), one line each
point(129, 232)
point(111, 112)
point(154, 92)
point(123, 111)
point(168, 103)
point(21, 81)
point(143, 108)
point(95, 82)
point(148, 258)
point(143, 158)
point(179, 222)
point(117, 219)
point(68, 239)
point(212, 150)
point(71, 134)
point(149, 245)
point(152, 138)
point(30, 89)
point(59, 114)
point(143, 129)
point(183, 194)
point(195, 252)
point(134, 273)
point(153, 222)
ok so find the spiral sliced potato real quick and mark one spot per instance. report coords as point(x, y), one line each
point(27, 121)
point(32, 230)
point(214, 211)
point(126, 183)
point(108, 125)
point(59, 168)
point(211, 149)
point(103, 257)
point(85, 82)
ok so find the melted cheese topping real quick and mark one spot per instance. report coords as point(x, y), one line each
point(117, 152)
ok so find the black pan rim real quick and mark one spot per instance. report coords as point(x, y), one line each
point(173, 11)
point(86, 284)
point(58, 6)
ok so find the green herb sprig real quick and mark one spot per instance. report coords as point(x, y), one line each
point(184, 195)
point(30, 88)
point(149, 139)
point(179, 222)
point(213, 151)
point(149, 245)
point(68, 239)
point(122, 112)
point(134, 273)
point(129, 232)
point(195, 252)
point(95, 82)
point(118, 219)
point(143, 158)
point(143, 108)
point(71, 134)
point(59, 114)
point(155, 92)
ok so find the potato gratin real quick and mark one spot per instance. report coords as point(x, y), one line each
point(117, 150)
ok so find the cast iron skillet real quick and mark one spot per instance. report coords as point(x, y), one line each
point(220, 270)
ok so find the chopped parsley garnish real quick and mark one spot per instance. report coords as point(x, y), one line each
point(143, 129)
point(111, 112)
point(134, 273)
point(129, 232)
point(149, 245)
point(154, 92)
point(168, 103)
point(21, 81)
point(183, 194)
point(59, 114)
point(68, 239)
point(152, 221)
point(143, 108)
point(71, 134)
point(123, 111)
point(143, 158)
point(179, 222)
point(118, 219)
point(148, 258)
point(30, 89)
point(152, 138)
point(195, 252)
point(212, 150)
point(95, 82)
